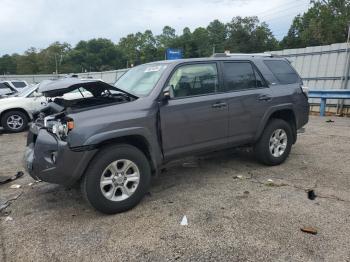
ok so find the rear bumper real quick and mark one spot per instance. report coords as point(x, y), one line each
point(49, 159)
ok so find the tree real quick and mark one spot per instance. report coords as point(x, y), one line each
point(217, 36)
point(248, 35)
point(8, 64)
point(54, 57)
point(326, 22)
point(201, 42)
point(186, 43)
point(96, 55)
point(167, 38)
point(28, 63)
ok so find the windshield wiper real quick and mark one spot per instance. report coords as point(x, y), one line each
point(126, 93)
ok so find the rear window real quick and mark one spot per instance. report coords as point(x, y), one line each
point(19, 84)
point(283, 71)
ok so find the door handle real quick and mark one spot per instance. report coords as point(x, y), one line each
point(264, 98)
point(219, 105)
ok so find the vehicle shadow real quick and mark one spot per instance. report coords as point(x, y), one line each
point(191, 171)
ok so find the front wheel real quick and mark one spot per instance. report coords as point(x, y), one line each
point(275, 143)
point(14, 121)
point(117, 179)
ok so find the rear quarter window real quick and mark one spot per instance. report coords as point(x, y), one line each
point(19, 84)
point(283, 71)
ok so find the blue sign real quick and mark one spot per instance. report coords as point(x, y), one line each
point(173, 53)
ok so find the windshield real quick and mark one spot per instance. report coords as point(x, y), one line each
point(27, 90)
point(140, 80)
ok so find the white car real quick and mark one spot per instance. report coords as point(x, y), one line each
point(16, 111)
point(19, 85)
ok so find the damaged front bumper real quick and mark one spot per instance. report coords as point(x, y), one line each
point(50, 159)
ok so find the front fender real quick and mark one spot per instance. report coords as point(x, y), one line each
point(112, 134)
point(152, 141)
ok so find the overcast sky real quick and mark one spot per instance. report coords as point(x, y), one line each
point(38, 23)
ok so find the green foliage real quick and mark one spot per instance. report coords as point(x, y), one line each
point(326, 22)
point(248, 35)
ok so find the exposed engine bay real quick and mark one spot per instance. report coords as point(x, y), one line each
point(74, 95)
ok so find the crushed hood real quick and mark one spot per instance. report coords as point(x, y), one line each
point(63, 86)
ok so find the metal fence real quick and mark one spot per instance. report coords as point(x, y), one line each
point(321, 67)
point(107, 76)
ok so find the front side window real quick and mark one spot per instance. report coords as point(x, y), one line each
point(241, 76)
point(140, 80)
point(283, 71)
point(196, 79)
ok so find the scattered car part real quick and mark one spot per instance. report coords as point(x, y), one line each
point(10, 179)
point(309, 230)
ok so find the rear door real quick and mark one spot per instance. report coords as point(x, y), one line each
point(196, 117)
point(248, 97)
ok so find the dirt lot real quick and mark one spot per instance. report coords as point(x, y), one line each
point(236, 219)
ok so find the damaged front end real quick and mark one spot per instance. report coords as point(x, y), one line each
point(48, 155)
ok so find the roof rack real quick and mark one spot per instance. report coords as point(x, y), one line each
point(241, 54)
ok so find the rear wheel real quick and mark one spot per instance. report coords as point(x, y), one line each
point(275, 143)
point(14, 121)
point(117, 179)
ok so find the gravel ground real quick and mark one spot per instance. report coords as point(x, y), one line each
point(230, 219)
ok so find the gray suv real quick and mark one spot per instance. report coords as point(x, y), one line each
point(112, 139)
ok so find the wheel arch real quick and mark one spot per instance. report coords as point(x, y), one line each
point(286, 113)
point(16, 109)
point(136, 140)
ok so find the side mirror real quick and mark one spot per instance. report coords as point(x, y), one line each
point(168, 93)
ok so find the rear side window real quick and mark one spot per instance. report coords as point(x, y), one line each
point(283, 71)
point(19, 84)
point(240, 76)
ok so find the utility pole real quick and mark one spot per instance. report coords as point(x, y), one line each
point(340, 104)
point(56, 64)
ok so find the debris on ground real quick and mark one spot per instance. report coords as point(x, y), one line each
point(246, 192)
point(4, 206)
point(10, 179)
point(239, 177)
point(7, 203)
point(309, 230)
point(30, 184)
point(329, 121)
point(184, 221)
point(271, 183)
point(311, 194)
point(8, 218)
point(15, 186)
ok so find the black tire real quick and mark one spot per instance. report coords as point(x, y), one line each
point(261, 148)
point(90, 184)
point(22, 117)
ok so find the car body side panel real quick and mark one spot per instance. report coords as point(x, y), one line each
point(192, 123)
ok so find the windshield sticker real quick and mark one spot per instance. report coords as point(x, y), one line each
point(153, 69)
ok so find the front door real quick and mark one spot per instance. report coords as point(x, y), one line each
point(196, 116)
